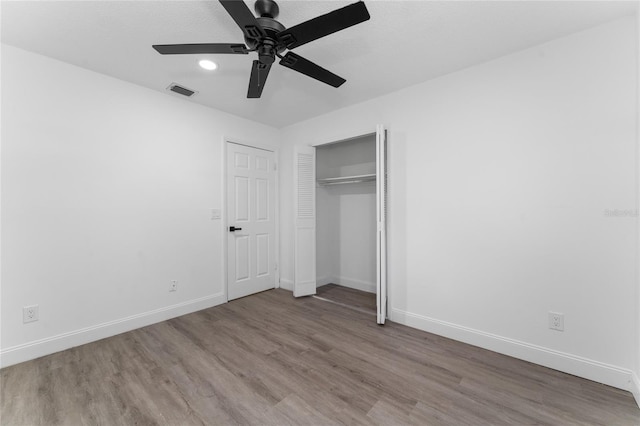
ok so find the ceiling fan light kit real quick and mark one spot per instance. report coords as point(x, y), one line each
point(269, 39)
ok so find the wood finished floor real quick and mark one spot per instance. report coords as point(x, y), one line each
point(269, 359)
point(348, 296)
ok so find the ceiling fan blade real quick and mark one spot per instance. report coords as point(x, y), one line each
point(181, 49)
point(259, 73)
point(306, 67)
point(324, 25)
point(244, 18)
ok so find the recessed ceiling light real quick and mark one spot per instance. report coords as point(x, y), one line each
point(208, 65)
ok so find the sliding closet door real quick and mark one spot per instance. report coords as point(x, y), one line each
point(381, 205)
point(304, 280)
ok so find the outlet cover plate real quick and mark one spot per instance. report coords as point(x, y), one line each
point(556, 321)
point(30, 314)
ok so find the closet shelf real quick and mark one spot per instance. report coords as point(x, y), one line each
point(346, 179)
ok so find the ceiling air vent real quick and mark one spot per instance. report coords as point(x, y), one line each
point(174, 87)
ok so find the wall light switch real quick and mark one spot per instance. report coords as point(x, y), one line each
point(216, 214)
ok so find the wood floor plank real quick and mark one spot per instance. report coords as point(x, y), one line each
point(270, 359)
point(348, 296)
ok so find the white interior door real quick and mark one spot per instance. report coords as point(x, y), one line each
point(381, 205)
point(251, 253)
point(304, 280)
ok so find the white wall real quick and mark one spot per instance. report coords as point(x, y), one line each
point(106, 191)
point(500, 176)
point(327, 256)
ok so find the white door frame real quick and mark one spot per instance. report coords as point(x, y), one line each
point(226, 140)
point(381, 238)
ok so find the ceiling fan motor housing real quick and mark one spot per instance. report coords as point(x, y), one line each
point(271, 27)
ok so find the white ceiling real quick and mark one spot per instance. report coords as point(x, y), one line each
point(404, 43)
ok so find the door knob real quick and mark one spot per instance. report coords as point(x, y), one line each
point(233, 229)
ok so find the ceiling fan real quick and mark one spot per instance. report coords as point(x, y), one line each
point(270, 38)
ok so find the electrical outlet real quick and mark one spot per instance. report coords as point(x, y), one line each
point(30, 313)
point(556, 321)
point(174, 285)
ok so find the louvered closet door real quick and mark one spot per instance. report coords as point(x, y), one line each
point(304, 282)
point(251, 260)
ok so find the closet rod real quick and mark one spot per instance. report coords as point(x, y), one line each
point(346, 179)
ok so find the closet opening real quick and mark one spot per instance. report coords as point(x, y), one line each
point(346, 223)
point(340, 231)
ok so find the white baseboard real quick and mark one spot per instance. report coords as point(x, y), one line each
point(578, 366)
point(355, 284)
point(49, 345)
point(286, 284)
point(635, 387)
point(324, 281)
point(345, 282)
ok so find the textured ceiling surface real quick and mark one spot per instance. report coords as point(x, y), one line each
point(404, 43)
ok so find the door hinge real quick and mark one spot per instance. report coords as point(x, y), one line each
point(275, 167)
point(275, 266)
